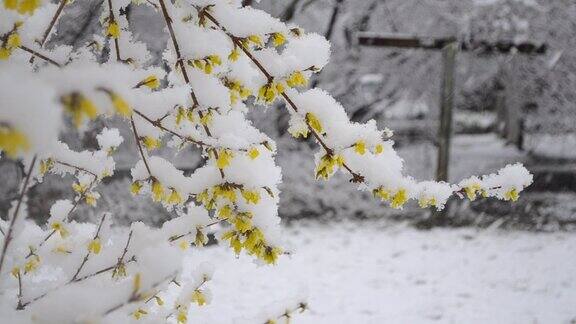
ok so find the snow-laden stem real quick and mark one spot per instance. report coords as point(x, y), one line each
point(137, 296)
point(8, 237)
point(40, 55)
point(137, 139)
point(74, 206)
point(158, 124)
point(87, 256)
point(111, 20)
point(50, 26)
point(180, 61)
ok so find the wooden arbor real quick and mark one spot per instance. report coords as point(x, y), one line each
point(449, 46)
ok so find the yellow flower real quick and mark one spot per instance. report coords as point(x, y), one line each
point(234, 55)
point(279, 87)
point(151, 143)
point(382, 193)
point(90, 199)
point(5, 53)
point(198, 297)
point(207, 68)
point(59, 227)
point(135, 187)
point(225, 212)
point(32, 264)
point(13, 141)
point(95, 246)
point(137, 282)
point(61, 249)
point(226, 192)
point(296, 79)
point(214, 59)
point(190, 116)
point(253, 153)
point(297, 132)
point(379, 149)
point(471, 191)
point(46, 165)
point(201, 239)
point(427, 202)
point(78, 188)
point(253, 239)
point(12, 41)
point(271, 254)
point(399, 199)
point(15, 272)
point(184, 245)
point(511, 195)
point(199, 64)
point(278, 39)
point(267, 93)
point(24, 7)
point(182, 316)
point(251, 197)
point(327, 166)
point(175, 198)
point(243, 224)
point(157, 191)
point(79, 107)
point(224, 159)
point(119, 271)
point(151, 82)
point(255, 39)
point(120, 105)
point(28, 6)
point(139, 313)
point(181, 113)
point(314, 122)
point(11, 4)
point(206, 118)
point(360, 147)
point(113, 30)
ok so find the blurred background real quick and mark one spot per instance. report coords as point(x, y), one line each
point(508, 107)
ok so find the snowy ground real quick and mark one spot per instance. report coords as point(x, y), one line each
point(380, 274)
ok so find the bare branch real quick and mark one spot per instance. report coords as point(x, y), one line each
point(8, 238)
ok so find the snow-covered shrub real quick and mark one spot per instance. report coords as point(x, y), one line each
point(219, 56)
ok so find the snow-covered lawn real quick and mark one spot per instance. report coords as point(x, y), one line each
point(370, 273)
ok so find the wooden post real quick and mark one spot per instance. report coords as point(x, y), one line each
point(446, 106)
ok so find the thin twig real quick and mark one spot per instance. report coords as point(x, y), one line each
point(137, 138)
point(8, 238)
point(158, 124)
point(179, 59)
point(42, 56)
point(87, 256)
point(76, 167)
point(19, 291)
point(177, 237)
point(79, 279)
point(49, 28)
point(136, 296)
point(121, 258)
